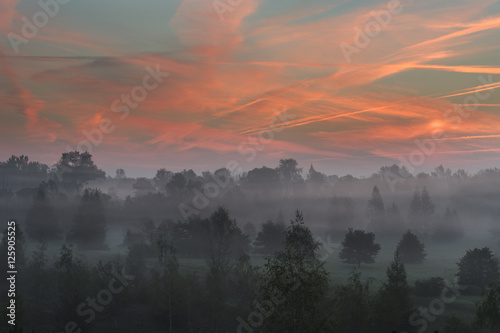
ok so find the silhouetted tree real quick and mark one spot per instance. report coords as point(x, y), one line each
point(18, 172)
point(427, 204)
point(376, 211)
point(261, 180)
point(411, 250)
point(421, 212)
point(167, 278)
point(359, 247)
point(488, 310)
point(270, 238)
point(448, 228)
point(244, 281)
point(143, 186)
point(316, 182)
point(161, 179)
point(42, 223)
point(393, 305)
point(441, 172)
point(478, 267)
point(315, 177)
point(89, 228)
point(226, 242)
point(72, 277)
point(120, 174)
point(289, 174)
point(296, 280)
point(176, 184)
point(351, 311)
point(75, 169)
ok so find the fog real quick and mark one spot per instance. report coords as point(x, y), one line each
point(150, 226)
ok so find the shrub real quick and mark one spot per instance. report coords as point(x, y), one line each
point(430, 287)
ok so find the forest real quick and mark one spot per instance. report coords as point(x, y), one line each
point(283, 248)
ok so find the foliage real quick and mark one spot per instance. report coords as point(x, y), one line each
point(359, 247)
point(393, 305)
point(270, 238)
point(41, 220)
point(89, 228)
point(75, 169)
point(411, 249)
point(488, 310)
point(431, 287)
point(351, 311)
point(295, 280)
point(478, 267)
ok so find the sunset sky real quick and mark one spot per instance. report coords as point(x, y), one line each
point(234, 71)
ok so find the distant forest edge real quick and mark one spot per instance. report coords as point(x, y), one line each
point(440, 205)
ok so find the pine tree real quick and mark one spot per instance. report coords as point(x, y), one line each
point(410, 249)
point(427, 204)
point(376, 211)
point(393, 305)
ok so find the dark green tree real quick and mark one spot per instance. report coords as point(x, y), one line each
point(295, 281)
point(478, 267)
point(351, 311)
point(89, 227)
point(290, 175)
point(226, 242)
point(359, 247)
point(316, 177)
point(270, 238)
point(427, 204)
point(393, 305)
point(488, 310)
point(42, 223)
point(75, 169)
point(167, 279)
point(72, 280)
point(415, 211)
point(411, 249)
point(376, 211)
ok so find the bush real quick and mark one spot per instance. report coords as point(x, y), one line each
point(430, 287)
point(478, 268)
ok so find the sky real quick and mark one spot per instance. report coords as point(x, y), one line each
point(347, 86)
